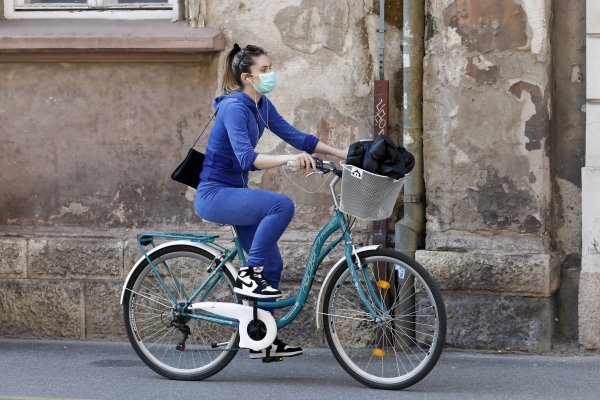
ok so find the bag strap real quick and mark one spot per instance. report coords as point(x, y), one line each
point(206, 126)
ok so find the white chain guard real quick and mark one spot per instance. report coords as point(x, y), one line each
point(244, 314)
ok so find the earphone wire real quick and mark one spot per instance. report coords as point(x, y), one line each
point(283, 169)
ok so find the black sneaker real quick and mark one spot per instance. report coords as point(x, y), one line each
point(251, 283)
point(277, 349)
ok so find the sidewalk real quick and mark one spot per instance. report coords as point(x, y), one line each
point(33, 369)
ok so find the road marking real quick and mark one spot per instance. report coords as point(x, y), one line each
point(37, 398)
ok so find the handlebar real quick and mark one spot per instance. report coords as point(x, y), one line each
point(324, 166)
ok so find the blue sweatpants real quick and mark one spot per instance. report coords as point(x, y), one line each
point(259, 216)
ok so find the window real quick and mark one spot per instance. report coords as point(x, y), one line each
point(108, 9)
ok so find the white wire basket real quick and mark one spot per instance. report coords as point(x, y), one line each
point(366, 195)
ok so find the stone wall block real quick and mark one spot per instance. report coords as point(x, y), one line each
point(13, 258)
point(495, 272)
point(511, 323)
point(76, 258)
point(103, 313)
point(41, 309)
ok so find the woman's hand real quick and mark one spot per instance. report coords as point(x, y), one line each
point(304, 160)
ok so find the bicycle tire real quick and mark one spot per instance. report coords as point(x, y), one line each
point(399, 342)
point(135, 314)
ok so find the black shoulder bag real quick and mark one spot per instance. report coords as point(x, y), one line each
point(188, 172)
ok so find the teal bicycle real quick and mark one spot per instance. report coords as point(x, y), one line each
point(383, 315)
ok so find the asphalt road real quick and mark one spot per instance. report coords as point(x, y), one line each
point(34, 369)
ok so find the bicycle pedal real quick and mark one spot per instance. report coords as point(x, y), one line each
point(272, 359)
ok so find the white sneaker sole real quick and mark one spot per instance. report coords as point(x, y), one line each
point(263, 355)
point(256, 295)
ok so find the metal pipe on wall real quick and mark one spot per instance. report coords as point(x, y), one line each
point(380, 116)
point(409, 231)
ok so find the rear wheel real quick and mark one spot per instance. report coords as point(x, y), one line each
point(176, 346)
point(405, 344)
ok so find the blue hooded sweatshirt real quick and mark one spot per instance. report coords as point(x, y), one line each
point(238, 127)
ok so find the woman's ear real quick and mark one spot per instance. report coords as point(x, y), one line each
point(246, 78)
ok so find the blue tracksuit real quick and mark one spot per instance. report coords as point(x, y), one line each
point(259, 216)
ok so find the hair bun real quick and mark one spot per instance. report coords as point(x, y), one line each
point(236, 49)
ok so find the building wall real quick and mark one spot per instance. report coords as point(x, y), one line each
point(487, 108)
point(87, 151)
point(88, 148)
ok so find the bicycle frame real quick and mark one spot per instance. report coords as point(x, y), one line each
point(316, 256)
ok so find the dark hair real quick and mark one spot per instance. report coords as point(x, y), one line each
point(238, 61)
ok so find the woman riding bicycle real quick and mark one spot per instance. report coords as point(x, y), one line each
point(259, 216)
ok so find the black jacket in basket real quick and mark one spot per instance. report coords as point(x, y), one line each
point(381, 156)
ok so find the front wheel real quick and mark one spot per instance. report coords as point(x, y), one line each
point(399, 347)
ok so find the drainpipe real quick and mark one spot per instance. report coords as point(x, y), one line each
point(380, 117)
point(409, 232)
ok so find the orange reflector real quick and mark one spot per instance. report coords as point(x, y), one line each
point(383, 284)
point(378, 352)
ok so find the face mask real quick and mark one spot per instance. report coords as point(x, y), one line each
point(267, 83)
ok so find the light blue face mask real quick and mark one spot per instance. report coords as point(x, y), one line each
point(267, 83)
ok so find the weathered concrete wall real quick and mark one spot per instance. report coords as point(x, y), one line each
point(93, 145)
point(487, 108)
point(567, 154)
point(87, 151)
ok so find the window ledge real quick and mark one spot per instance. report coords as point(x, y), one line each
point(105, 40)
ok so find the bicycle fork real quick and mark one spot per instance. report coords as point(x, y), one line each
point(371, 294)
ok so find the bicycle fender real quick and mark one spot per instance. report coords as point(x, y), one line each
point(200, 245)
point(329, 276)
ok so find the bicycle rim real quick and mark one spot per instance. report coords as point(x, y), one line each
point(155, 331)
point(406, 343)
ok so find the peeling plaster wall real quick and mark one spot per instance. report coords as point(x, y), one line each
point(487, 109)
point(487, 105)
